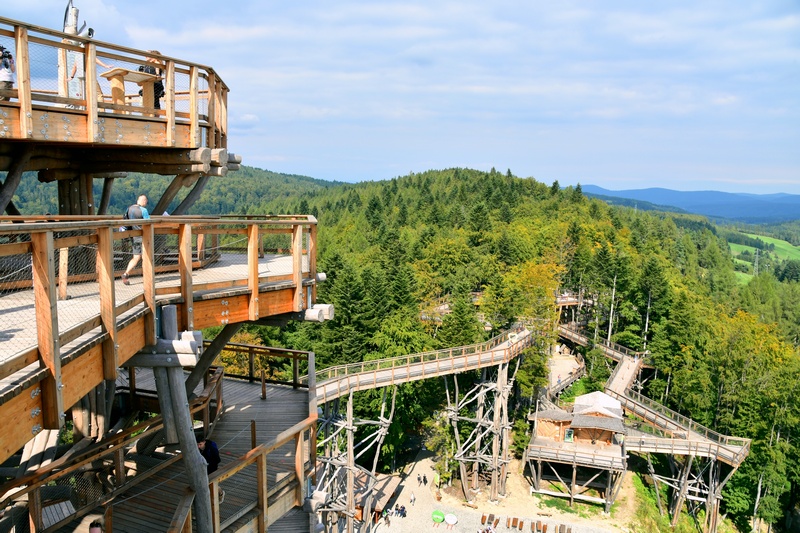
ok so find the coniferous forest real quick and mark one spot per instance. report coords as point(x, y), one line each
point(497, 247)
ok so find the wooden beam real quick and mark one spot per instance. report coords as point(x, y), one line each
point(91, 91)
point(105, 197)
point(172, 191)
point(185, 272)
point(23, 84)
point(169, 100)
point(192, 460)
point(297, 266)
point(263, 506)
point(149, 283)
point(13, 177)
point(194, 118)
point(252, 270)
point(192, 197)
point(43, 259)
point(105, 280)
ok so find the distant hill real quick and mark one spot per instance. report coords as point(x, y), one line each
point(741, 207)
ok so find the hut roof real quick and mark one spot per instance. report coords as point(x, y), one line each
point(597, 422)
point(597, 398)
point(556, 415)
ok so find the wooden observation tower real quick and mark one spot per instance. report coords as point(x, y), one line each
point(80, 347)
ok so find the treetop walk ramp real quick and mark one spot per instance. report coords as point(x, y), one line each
point(683, 435)
point(337, 381)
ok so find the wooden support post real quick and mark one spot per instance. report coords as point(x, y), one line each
point(252, 271)
point(351, 507)
point(295, 373)
point(192, 460)
point(23, 84)
point(108, 317)
point(165, 401)
point(652, 472)
point(263, 385)
point(105, 196)
point(91, 93)
point(572, 485)
point(253, 440)
point(35, 511)
point(299, 469)
point(682, 489)
point(185, 271)
point(63, 273)
point(312, 261)
point(119, 467)
point(13, 177)
point(194, 118)
point(261, 465)
point(169, 102)
point(149, 283)
point(43, 259)
point(297, 266)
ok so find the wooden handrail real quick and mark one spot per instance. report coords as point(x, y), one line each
point(107, 446)
point(182, 519)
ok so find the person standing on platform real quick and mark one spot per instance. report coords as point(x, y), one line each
point(158, 86)
point(210, 452)
point(137, 211)
point(7, 70)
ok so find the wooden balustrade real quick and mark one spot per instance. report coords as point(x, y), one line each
point(76, 111)
point(64, 378)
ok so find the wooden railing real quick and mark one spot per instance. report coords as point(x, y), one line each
point(336, 381)
point(610, 349)
point(123, 317)
point(193, 111)
point(258, 456)
point(735, 449)
point(111, 451)
point(255, 371)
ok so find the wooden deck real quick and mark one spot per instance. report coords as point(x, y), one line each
point(150, 505)
point(63, 348)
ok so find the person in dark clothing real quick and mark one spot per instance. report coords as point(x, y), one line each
point(425, 479)
point(210, 452)
point(158, 85)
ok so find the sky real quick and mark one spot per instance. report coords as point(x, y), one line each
point(624, 94)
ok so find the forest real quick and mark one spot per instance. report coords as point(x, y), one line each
point(498, 247)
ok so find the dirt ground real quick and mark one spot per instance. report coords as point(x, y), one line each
point(518, 502)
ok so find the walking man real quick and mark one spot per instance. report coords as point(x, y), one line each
point(137, 211)
point(413, 499)
point(425, 479)
point(419, 480)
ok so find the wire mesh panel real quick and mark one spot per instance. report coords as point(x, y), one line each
point(18, 325)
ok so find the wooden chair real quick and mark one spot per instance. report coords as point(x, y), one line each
point(521, 521)
point(483, 519)
point(514, 522)
point(496, 523)
point(508, 521)
point(544, 528)
point(491, 518)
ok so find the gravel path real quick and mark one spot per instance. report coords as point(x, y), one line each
point(418, 517)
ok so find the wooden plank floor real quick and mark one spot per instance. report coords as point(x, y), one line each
point(150, 505)
point(18, 327)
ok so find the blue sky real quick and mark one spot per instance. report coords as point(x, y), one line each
point(687, 95)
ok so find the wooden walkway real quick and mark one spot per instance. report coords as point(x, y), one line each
point(150, 505)
point(682, 435)
point(337, 381)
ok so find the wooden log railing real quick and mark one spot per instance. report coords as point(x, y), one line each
point(255, 358)
point(114, 454)
point(125, 323)
point(193, 110)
